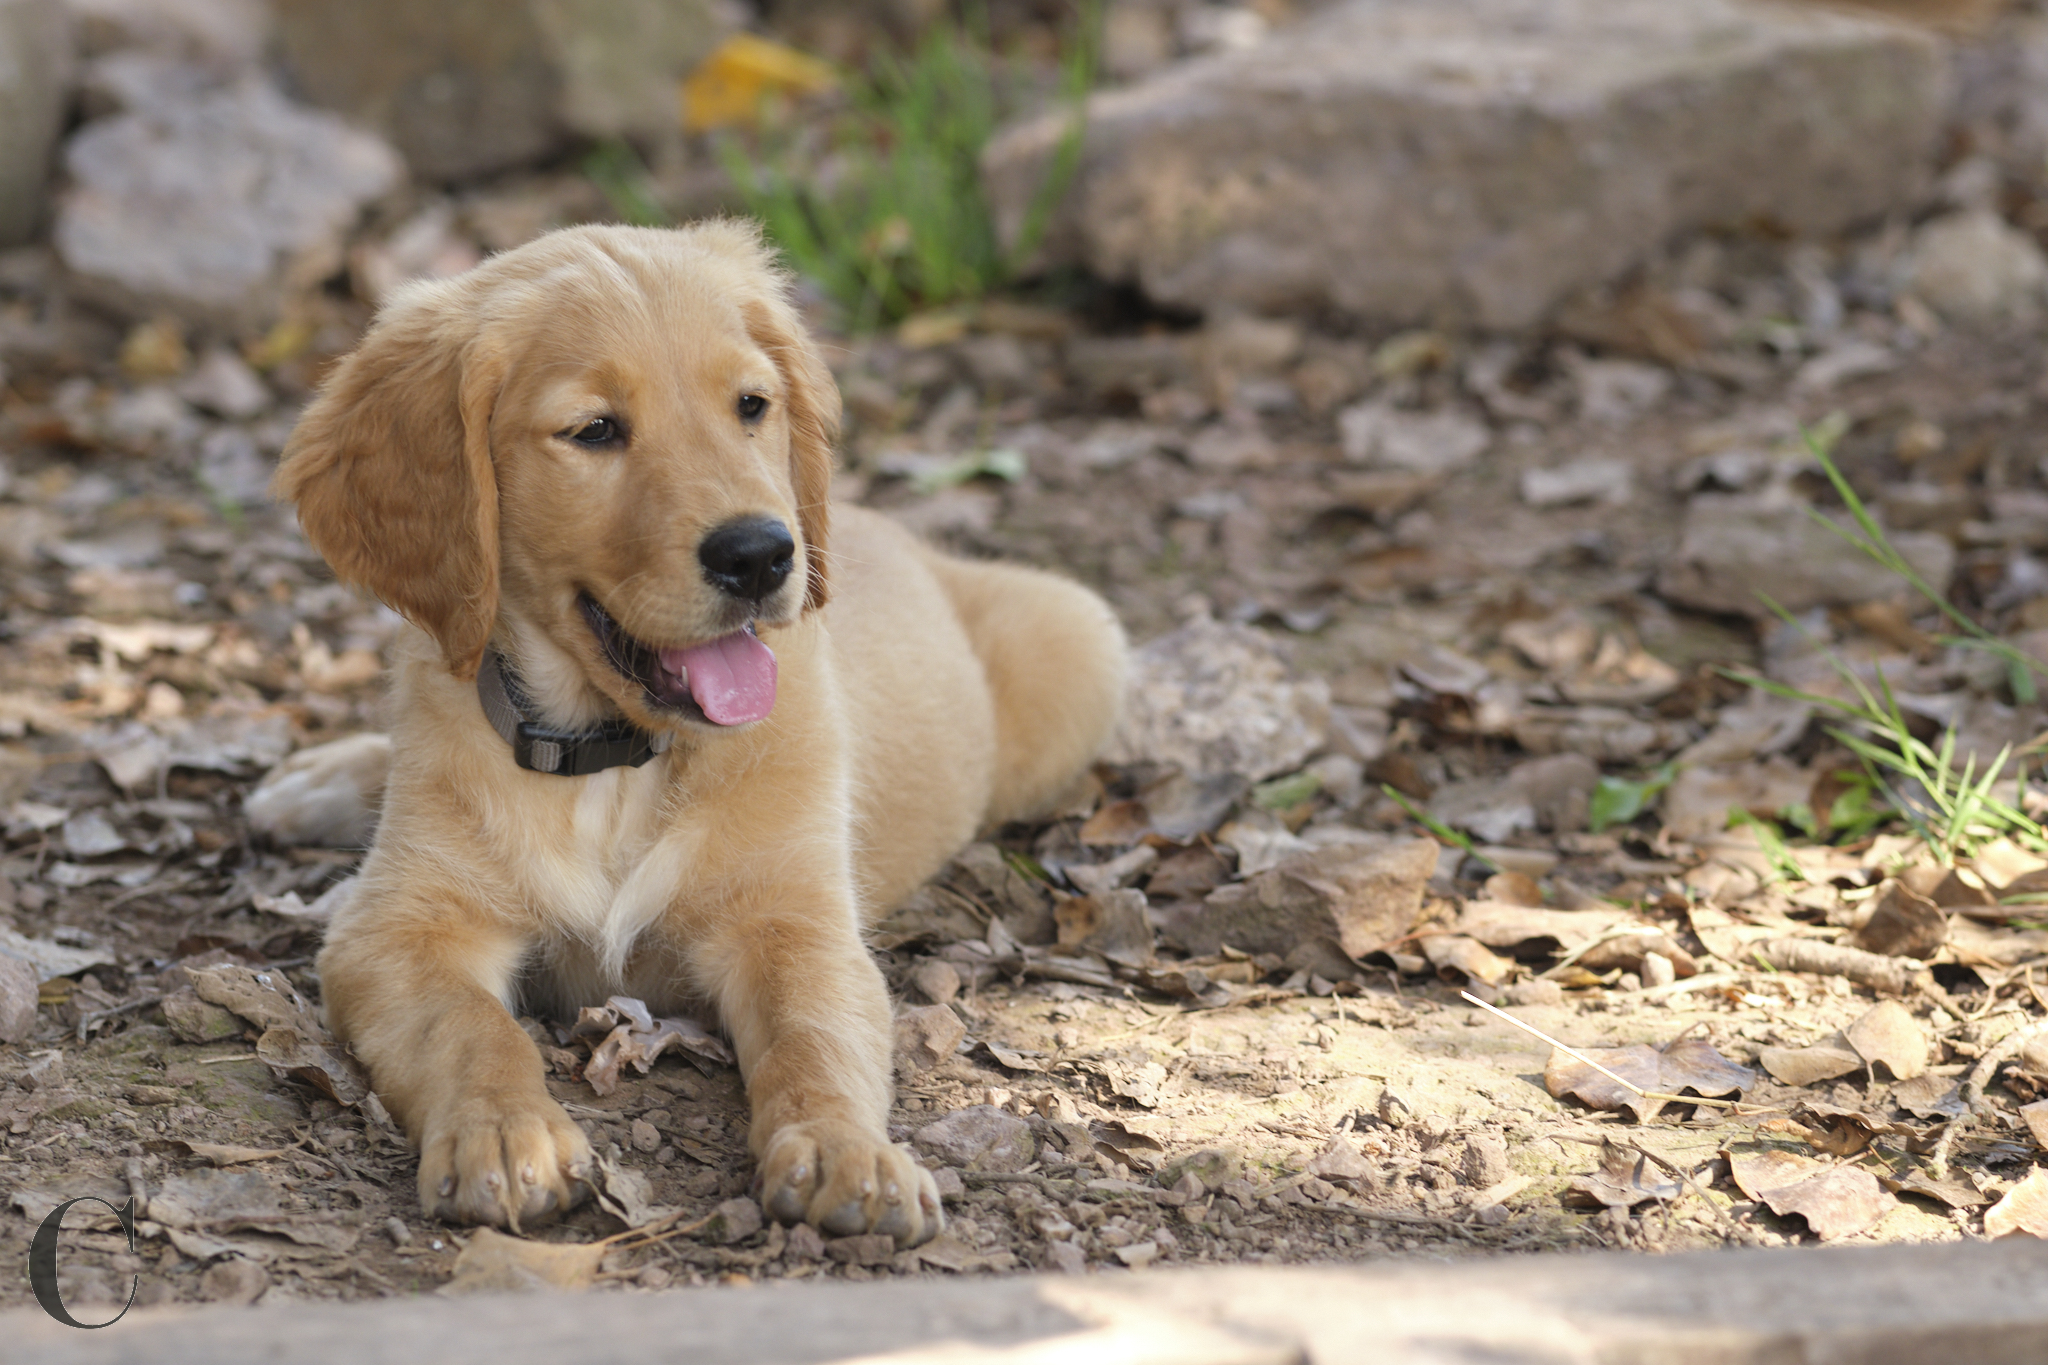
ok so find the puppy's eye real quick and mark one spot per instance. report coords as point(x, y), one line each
point(598, 431)
point(751, 406)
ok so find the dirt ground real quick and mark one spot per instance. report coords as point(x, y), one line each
point(1180, 1093)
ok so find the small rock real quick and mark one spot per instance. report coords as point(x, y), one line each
point(1486, 1160)
point(654, 1277)
point(926, 1035)
point(1229, 446)
point(396, 1230)
point(198, 1021)
point(223, 384)
point(1974, 267)
point(1138, 1254)
point(804, 1243)
point(950, 1185)
point(1559, 788)
point(1535, 993)
point(1066, 1258)
point(733, 1221)
point(1615, 392)
point(645, 1138)
point(1377, 433)
point(937, 980)
point(980, 1137)
point(152, 1094)
point(213, 205)
point(234, 1281)
point(872, 1248)
point(1218, 699)
point(475, 88)
point(18, 986)
point(1214, 1167)
point(1658, 970)
point(1608, 481)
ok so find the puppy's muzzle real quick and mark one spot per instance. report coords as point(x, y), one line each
point(748, 558)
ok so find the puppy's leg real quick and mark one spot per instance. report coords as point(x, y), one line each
point(418, 994)
point(1055, 658)
point(324, 795)
point(809, 1016)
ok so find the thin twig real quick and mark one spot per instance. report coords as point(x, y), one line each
point(86, 1021)
point(1972, 1094)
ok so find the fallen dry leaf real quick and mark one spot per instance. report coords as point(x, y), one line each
point(219, 1154)
point(1689, 1064)
point(1953, 1193)
point(1623, 1179)
point(1929, 1096)
point(265, 999)
point(1836, 1202)
point(2023, 1209)
point(320, 1064)
point(627, 1195)
point(1470, 959)
point(1888, 1035)
point(633, 1035)
point(2036, 1117)
point(1112, 924)
point(1823, 1061)
point(494, 1262)
point(1902, 923)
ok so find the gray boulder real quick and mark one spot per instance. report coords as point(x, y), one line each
point(1479, 160)
point(214, 203)
point(36, 62)
point(469, 86)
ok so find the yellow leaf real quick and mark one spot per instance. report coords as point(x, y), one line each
point(729, 85)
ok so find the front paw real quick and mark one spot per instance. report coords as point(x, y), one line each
point(846, 1181)
point(506, 1162)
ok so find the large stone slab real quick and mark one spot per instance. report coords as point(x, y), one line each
point(1477, 160)
point(213, 203)
point(468, 86)
point(36, 60)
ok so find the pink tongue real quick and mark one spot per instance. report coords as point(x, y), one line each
point(732, 678)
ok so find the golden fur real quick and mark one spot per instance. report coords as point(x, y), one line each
point(921, 697)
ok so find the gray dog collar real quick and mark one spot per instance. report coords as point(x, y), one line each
point(544, 749)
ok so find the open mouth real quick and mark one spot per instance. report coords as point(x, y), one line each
point(726, 681)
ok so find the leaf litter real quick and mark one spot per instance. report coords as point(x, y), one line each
point(1236, 943)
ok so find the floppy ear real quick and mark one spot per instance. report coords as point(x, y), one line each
point(391, 470)
point(813, 401)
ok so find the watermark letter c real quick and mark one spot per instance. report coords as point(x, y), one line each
point(42, 1261)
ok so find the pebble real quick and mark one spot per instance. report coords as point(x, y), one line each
point(17, 999)
point(937, 980)
point(978, 1138)
point(234, 1281)
point(1066, 1257)
point(1486, 1160)
point(733, 1221)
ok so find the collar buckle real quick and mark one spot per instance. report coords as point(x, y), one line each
point(564, 753)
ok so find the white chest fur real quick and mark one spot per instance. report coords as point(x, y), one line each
point(601, 865)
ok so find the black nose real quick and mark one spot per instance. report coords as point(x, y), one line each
point(748, 558)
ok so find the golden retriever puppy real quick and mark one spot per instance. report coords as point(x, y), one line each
point(663, 726)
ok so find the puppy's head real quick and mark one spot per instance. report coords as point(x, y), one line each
point(612, 445)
